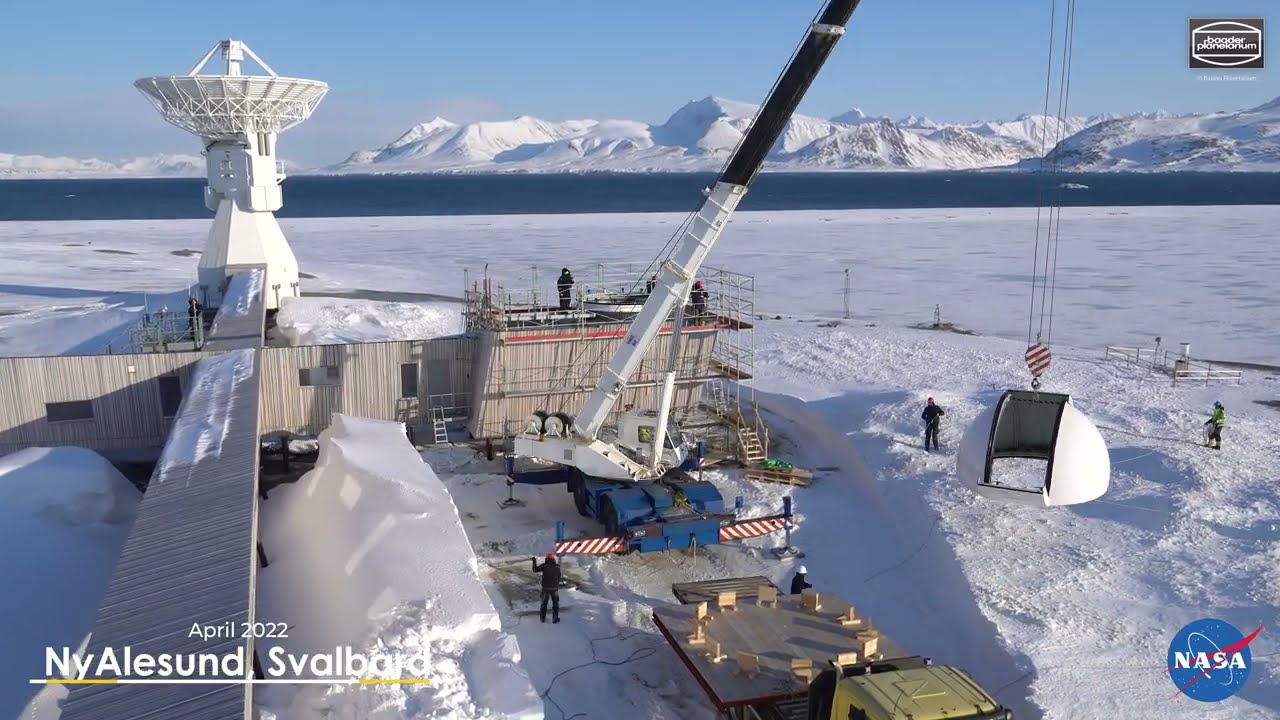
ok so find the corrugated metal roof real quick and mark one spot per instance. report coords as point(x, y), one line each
point(242, 314)
point(190, 556)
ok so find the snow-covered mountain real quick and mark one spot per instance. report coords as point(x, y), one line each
point(1244, 140)
point(702, 134)
point(698, 136)
point(151, 166)
point(19, 166)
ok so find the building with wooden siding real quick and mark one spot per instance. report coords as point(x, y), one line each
point(515, 357)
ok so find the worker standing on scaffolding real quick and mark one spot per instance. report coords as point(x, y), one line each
point(698, 300)
point(195, 315)
point(565, 286)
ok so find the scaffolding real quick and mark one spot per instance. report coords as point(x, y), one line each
point(161, 331)
point(715, 363)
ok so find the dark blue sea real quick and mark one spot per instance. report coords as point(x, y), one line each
point(391, 195)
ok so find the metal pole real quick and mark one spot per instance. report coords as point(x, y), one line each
point(846, 293)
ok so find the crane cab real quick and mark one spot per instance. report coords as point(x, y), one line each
point(1034, 448)
point(635, 435)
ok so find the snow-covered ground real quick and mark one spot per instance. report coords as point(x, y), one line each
point(1204, 275)
point(1061, 614)
point(64, 516)
point(310, 320)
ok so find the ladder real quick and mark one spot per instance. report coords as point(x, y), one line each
point(719, 398)
point(750, 446)
point(439, 425)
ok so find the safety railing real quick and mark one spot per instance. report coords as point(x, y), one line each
point(1147, 358)
point(1207, 375)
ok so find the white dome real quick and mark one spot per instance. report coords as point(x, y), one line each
point(1045, 428)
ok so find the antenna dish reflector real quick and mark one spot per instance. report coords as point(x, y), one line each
point(230, 105)
point(1058, 453)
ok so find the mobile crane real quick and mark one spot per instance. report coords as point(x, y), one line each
point(633, 478)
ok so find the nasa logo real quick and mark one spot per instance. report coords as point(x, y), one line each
point(1209, 660)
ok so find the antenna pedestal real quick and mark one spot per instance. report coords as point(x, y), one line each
point(244, 190)
point(242, 238)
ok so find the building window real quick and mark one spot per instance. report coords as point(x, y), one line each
point(409, 380)
point(323, 375)
point(170, 387)
point(74, 411)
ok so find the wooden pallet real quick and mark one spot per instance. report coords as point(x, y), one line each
point(707, 590)
point(787, 476)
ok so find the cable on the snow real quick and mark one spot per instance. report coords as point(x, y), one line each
point(936, 519)
point(637, 654)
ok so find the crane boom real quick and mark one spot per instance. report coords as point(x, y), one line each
point(677, 273)
point(581, 448)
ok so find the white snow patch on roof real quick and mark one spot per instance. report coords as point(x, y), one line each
point(333, 321)
point(196, 435)
point(243, 288)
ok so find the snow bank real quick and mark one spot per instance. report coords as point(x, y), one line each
point(367, 550)
point(205, 415)
point(64, 516)
point(1041, 606)
point(331, 321)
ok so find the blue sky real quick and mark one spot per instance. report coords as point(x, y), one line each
point(67, 68)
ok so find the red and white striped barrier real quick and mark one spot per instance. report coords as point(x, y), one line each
point(751, 528)
point(590, 546)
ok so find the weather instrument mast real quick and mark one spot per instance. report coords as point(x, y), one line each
point(238, 117)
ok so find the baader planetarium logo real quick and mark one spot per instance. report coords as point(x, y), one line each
point(1225, 43)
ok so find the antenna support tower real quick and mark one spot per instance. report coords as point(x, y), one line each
point(238, 118)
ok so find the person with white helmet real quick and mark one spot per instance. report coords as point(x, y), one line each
point(798, 582)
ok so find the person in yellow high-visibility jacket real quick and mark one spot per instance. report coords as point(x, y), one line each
point(1214, 426)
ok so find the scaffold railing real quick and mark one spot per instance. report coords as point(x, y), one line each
point(604, 294)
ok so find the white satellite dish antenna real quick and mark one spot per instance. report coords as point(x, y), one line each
point(238, 117)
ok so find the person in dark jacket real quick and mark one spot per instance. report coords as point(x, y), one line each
point(932, 418)
point(550, 570)
point(798, 583)
point(565, 285)
point(698, 299)
point(1214, 426)
point(194, 315)
point(650, 285)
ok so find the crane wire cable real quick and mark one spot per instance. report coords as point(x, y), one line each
point(1048, 80)
point(1065, 96)
point(1050, 172)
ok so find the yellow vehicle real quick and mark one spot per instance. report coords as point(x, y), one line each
point(904, 689)
point(773, 631)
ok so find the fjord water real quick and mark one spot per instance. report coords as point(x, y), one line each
point(398, 195)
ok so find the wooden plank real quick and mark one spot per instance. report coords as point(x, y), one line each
point(693, 592)
point(775, 635)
